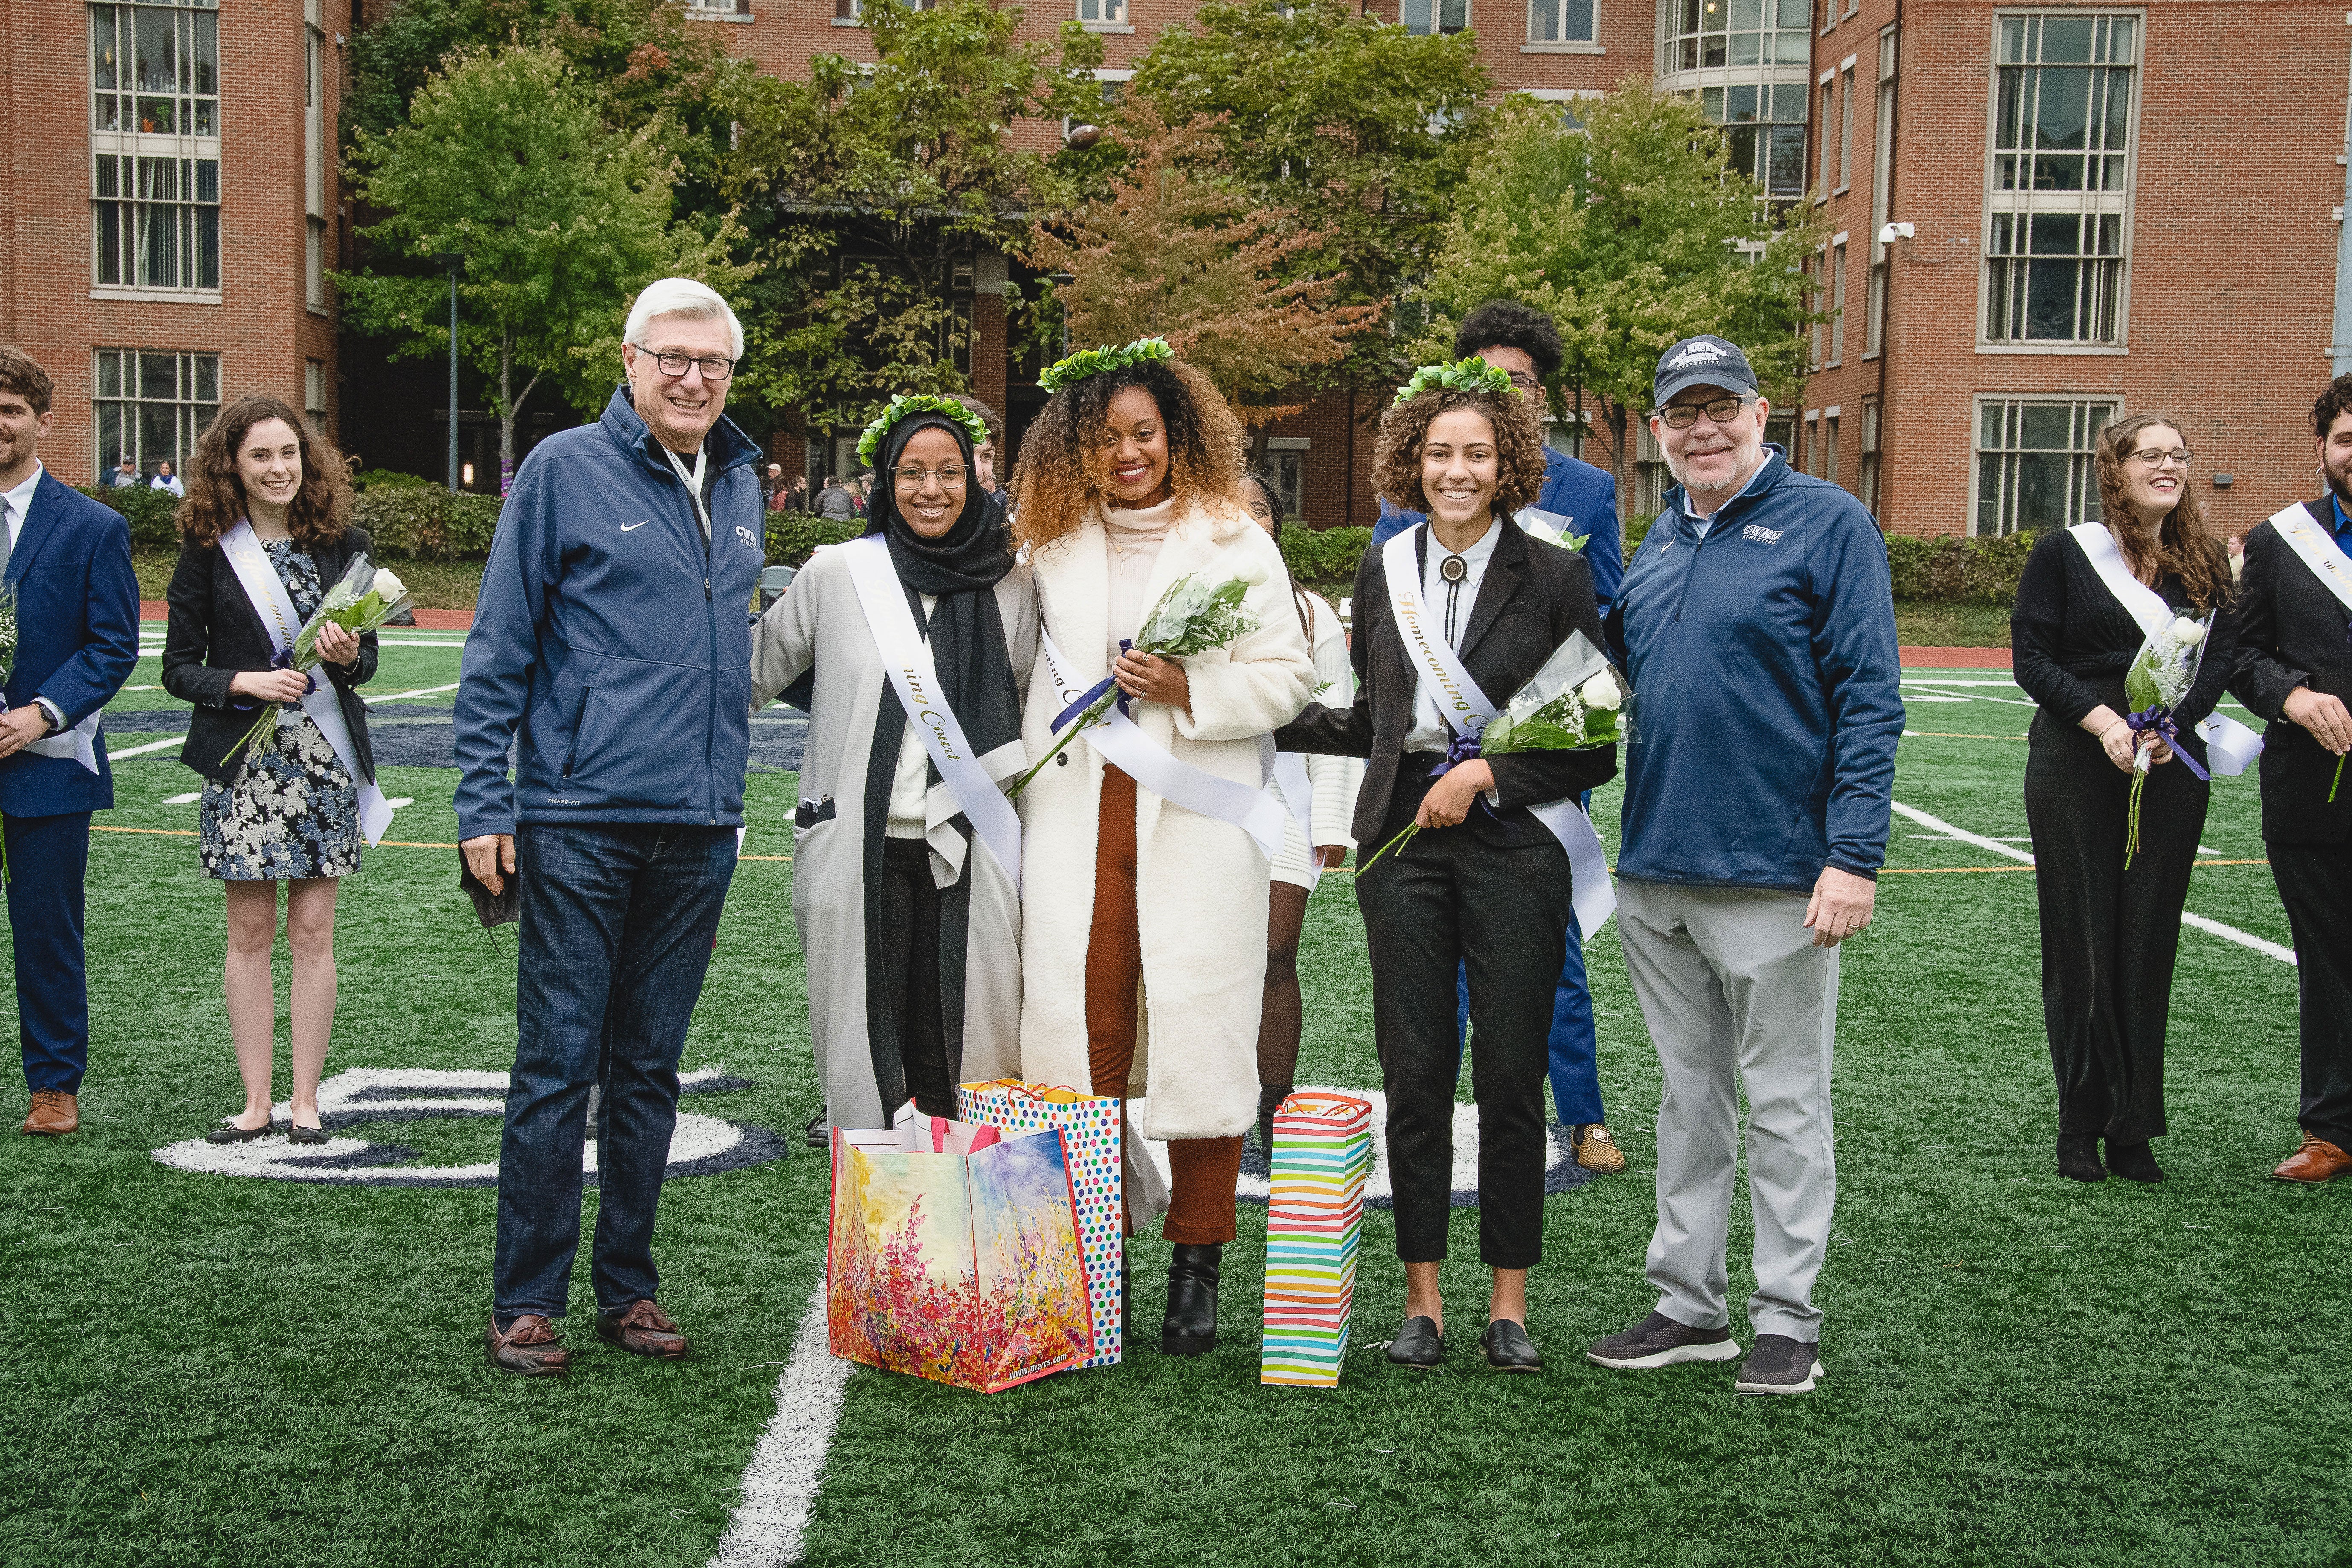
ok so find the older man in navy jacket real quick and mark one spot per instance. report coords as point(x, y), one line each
point(65, 564)
point(1758, 625)
point(611, 649)
point(1523, 344)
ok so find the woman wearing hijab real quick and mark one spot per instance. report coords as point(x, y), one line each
point(908, 908)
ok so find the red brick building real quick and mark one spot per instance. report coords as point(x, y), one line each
point(164, 237)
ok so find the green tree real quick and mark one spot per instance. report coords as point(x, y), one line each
point(1357, 130)
point(1632, 233)
point(878, 179)
point(504, 158)
point(1168, 250)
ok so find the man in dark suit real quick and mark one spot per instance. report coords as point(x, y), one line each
point(1524, 345)
point(2294, 669)
point(65, 560)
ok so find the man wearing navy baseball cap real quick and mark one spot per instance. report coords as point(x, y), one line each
point(1756, 793)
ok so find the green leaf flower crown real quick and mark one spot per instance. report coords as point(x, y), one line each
point(907, 403)
point(1472, 374)
point(1087, 363)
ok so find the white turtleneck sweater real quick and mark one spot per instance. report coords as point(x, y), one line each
point(1135, 535)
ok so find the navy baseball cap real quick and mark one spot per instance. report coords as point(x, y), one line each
point(1703, 360)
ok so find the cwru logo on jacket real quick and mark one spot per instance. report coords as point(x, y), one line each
point(1756, 534)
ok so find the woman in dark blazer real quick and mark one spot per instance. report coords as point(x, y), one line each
point(1491, 889)
point(2109, 932)
point(286, 808)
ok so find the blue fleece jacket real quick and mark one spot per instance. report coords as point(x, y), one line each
point(612, 638)
point(1767, 689)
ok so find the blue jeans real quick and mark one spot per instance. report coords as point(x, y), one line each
point(1575, 1050)
point(618, 921)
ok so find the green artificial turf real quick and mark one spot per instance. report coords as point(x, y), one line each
point(221, 1369)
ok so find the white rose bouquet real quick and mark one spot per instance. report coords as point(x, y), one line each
point(1577, 702)
point(2158, 682)
point(1195, 614)
point(363, 599)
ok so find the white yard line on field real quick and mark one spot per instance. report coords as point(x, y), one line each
point(2210, 926)
point(404, 696)
point(772, 1515)
point(113, 755)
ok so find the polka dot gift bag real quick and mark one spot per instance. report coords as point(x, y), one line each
point(1091, 1130)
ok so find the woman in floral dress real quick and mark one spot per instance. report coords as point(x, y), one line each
point(266, 490)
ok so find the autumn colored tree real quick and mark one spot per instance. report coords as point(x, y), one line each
point(1176, 250)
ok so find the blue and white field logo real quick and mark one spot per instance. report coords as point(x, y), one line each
point(350, 1101)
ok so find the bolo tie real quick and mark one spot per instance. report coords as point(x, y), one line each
point(1454, 571)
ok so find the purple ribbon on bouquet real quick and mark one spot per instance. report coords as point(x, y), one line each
point(1093, 694)
point(282, 659)
point(2161, 720)
point(1461, 749)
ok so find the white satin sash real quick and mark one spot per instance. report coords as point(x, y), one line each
point(276, 608)
point(1289, 777)
point(76, 742)
point(1467, 708)
point(1123, 745)
point(915, 678)
point(2229, 747)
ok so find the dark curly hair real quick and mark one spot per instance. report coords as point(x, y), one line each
point(2333, 404)
point(1518, 446)
point(215, 501)
point(1506, 323)
point(2184, 548)
point(1064, 468)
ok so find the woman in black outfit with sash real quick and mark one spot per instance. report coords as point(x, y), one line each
point(2109, 932)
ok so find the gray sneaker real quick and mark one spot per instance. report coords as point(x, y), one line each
point(1779, 1364)
point(1658, 1341)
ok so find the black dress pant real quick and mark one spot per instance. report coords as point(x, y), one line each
point(1452, 899)
point(2315, 883)
point(909, 916)
point(2108, 935)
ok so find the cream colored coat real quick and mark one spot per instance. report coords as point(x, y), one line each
point(1201, 884)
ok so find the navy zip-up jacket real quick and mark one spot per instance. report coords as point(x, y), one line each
point(609, 642)
point(1767, 689)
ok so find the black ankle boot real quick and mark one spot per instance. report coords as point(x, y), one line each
point(1270, 1097)
point(2134, 1161)
point(2078, 1157)
point(1191, 1328)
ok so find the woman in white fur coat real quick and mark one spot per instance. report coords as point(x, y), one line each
point(1143, 936)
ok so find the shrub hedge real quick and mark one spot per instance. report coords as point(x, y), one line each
point(426, 521)
point(1324, 555)
point(792, 535)
point(1975, 571)
point(149, 513)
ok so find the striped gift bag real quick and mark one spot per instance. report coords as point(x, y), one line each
point(1314, 1220)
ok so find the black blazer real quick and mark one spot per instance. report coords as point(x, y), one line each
point(1531, 598)
point(2293, 632)
point(216, 634)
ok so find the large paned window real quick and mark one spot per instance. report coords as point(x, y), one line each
point(2033, 463)
point(1882, 181)
point(1766, 128)
point(1421, 17)
point(2060, 178)
point(1107, 11)
point(1560, 21)
point(1704, 33)
point(152, 406)
point(1866, 486)
point(155, 146)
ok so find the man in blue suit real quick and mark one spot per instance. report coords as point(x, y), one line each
point(1523, 343)
point(67, 561)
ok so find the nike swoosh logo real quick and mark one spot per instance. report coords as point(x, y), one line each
point(627, 527)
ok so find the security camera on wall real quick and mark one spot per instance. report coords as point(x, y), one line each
point(1895, 231)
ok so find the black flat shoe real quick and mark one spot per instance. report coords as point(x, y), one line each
point(298, 1134)
point(2134, 1161)
point(230, 1133)
point(2078, 1157)
point(1419, 1344)
point(1507, 1347)
point(1191, 1326)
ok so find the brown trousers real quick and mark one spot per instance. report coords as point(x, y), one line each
point(1205, 1170)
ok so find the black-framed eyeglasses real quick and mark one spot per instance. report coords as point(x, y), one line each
point(1723, 411)
point(2152, 458)
point(1522, 381)
point(949, 475)
point(713, 368)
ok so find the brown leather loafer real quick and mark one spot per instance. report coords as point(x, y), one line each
point(53, 1112)
point(1595, 1149)
point(2316, 1160)
point(642, 1329)
point(530, 1348)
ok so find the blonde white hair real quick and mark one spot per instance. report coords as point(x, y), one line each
point(681, 297)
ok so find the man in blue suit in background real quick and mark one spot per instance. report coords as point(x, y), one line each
point(67, 561)
point(1523, 344)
